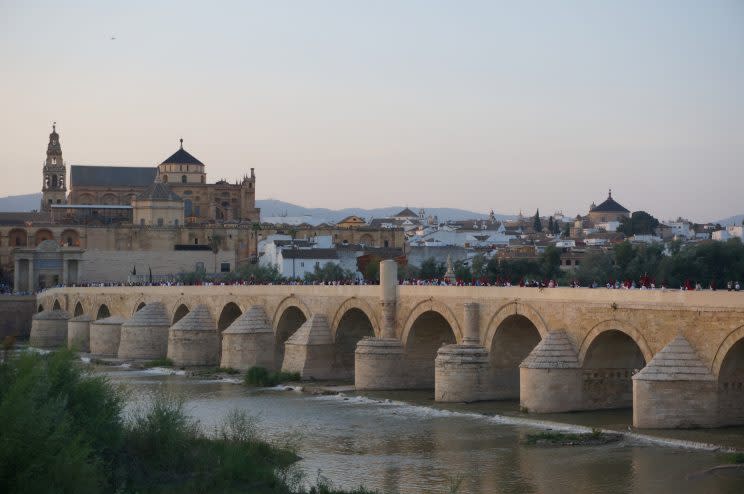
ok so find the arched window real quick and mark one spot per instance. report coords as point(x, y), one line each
point(202, 179)
point(183, 179)
point(187, 207)
point(54, 180)
point(165, 179)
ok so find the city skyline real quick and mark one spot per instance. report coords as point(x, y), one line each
point(337, 105)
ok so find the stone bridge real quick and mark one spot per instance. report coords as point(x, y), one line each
point(676, 357)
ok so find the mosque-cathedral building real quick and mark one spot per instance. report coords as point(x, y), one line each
point(110, 222)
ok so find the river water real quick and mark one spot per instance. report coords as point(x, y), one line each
point(404, 442)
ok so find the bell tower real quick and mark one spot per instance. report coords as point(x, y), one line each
point(54, 188)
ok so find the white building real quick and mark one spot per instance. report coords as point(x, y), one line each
point(731, 231)
point(296, 263)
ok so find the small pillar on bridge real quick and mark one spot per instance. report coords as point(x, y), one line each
point(676, 389)
point(310, 351)
point(105, 335)
point(249, 341)
point(145, 335)
point(78, 333)
point(461, 372)
point(194, 340)
point(49, 329)
point(550, 376)
point(378, 362)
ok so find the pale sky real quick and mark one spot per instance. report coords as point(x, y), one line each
point(477, 105)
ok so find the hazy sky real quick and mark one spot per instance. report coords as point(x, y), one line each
point(479, 105)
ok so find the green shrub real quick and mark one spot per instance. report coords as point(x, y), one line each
point(260, 376)
point(161, 362)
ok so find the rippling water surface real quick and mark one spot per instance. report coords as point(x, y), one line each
point(403, 442)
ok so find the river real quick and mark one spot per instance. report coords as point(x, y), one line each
point(404, 442)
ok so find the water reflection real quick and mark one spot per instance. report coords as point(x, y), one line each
point(395, 447)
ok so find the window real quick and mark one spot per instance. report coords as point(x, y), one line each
point(568, 262)
point(165, 179)
point(302, 264)
point(225, 267)
point(202, 179)
point(317, 264)
point(196, 241)
point(18, 241)
point(50, 201)
point(386, 243)
point(54, 161)
point(183, 179)
point(160, 221)
point(187, 207)
point(69, 241)
point(576, 262)
point(59, 201)
point(175, 222)
point(142, 221)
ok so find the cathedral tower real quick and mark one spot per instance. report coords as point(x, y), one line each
point(54, 189)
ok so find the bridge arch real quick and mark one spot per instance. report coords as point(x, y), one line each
point(228, 314)
point(731, 340)
point(103, 312)
point(610, 354)
point(510, 342)
point(430, 305)
point(79, 310)
point(180, 312)
point(56, 305)
point(430, 326)
point(349, 327)
point(615, 325)
point(728, 366)
point(511, 309)
point(40, 308)
point(289, 316)
point(361, 305)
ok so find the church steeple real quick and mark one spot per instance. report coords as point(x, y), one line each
point(54, 189)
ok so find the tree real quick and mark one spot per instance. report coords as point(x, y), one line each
point(462, 272)
point(550, 262)
point(567, 230)
point(430, 269)
point(537, 224)
point(478, 266)
point(551, 224)
point(329, 272)
point(639, 223)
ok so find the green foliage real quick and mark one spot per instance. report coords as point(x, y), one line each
point(430, 269)
point(257, 273)
point(639, 223)
point(407, 272)
point(329, 272)
point(61, 428)
point(536, 222)
point(550, 262)
point(462, 272)
point(372, 269)
point(478, 266)
point(161, 362)
point(260, 376)
point(62, 431)
point(513, 270)
point(736, 458)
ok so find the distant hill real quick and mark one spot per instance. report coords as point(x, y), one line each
point(274, 208)
point(731, 220)
point(22, 203)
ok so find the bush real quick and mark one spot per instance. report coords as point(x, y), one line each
point(260, 376)
point(62, 431)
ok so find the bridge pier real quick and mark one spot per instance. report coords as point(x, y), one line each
point(145, 335)
point(194, 339)
point(310, 351)
point(379, 362)
point(105, 335)
point(248, 342)
point(49, 329)
point(461, 372)
point(78, 333)
point(675, 390)
point(550, 378)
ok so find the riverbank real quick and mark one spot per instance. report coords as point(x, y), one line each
point(65, 430)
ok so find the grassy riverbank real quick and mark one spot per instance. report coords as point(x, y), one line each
point(63, 430)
